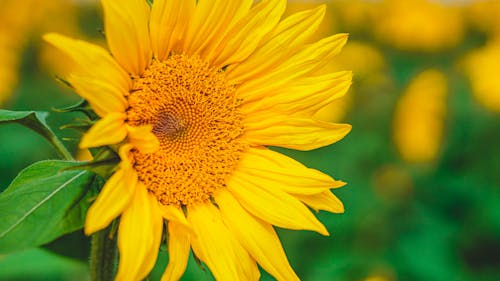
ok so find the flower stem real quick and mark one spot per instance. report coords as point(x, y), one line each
point(60, 148)
point(103, 255)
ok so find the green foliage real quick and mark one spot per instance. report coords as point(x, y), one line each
point(45, 201)
point(35, 121)
point(38, 264)
point(81, 106)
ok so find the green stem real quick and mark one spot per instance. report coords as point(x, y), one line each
point(103, 255)
point(60, 148)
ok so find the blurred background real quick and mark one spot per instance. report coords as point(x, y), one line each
point(422, 162)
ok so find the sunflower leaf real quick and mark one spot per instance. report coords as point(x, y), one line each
point(103, 168)
point(81, 106)
point(36, 121)
point(43, 202)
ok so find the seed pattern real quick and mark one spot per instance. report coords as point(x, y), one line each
point(194, 114)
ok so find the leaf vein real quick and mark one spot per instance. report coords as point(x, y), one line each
point(40, 203)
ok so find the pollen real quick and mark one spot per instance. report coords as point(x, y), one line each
point(194, 114)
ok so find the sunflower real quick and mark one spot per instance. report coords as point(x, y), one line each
point(422, 107)
point(192, 93)
point(419, 25)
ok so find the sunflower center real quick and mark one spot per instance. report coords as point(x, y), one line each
point(170, 126)
point(194, 114)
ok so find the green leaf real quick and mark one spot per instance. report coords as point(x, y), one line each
point(81, 106)
point(36, 121)
point(44, 202)
point(38, 264)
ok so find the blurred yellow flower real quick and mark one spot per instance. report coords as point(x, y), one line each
point(483, 69)
point(59, 16)
point(355, 15)
point(21, 20)
point(419, 25)
point(15, 23)
point(484, 15)
point(362, 58)
point(193, 94)
point(419, 117)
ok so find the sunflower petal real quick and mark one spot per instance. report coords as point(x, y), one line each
point(304, 96)
point(240, 12)
point(259, 238)
point(102, 96)
point(91, 60)
point(303, 63)
point(273, 205)
point(139, 236)
point(217, 247)
point(178, 252)
point(96, 77)
point(282, 172)
point(124, 153)
point(278, 44)
point(169, 20)
point(112, 200)
point(143, 139)
point(127, 33)
point(175, 215)
point(323, 201)
point(210, 20)
point(272, 129)
point(109, 130)
point(245, 36)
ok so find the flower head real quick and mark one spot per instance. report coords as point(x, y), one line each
point(193, 92)
point(419, 118)
point(482, 70)
point(419, 25)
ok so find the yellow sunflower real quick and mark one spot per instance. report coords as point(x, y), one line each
point(193, 92)
point(422, 107)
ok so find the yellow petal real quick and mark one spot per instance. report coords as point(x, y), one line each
point(178, 252)
point(304, 96)
point(112, 200)
point(239, 12)
point(124, 153)
point(272, 129)
point(273, 205)
point(143, 139)
point(127, 33)
point(97, 77)
point(278, 44)
point(168, 23)
point(139, 236)
point(259, 238)
point(302, 64)
point(245, 36)
point(101, 95)
point(174, 214)
point(282, 172)
point(91, 61)
point(108, 130)
point(210, 20)
point(217, 247)
point(323, 201)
